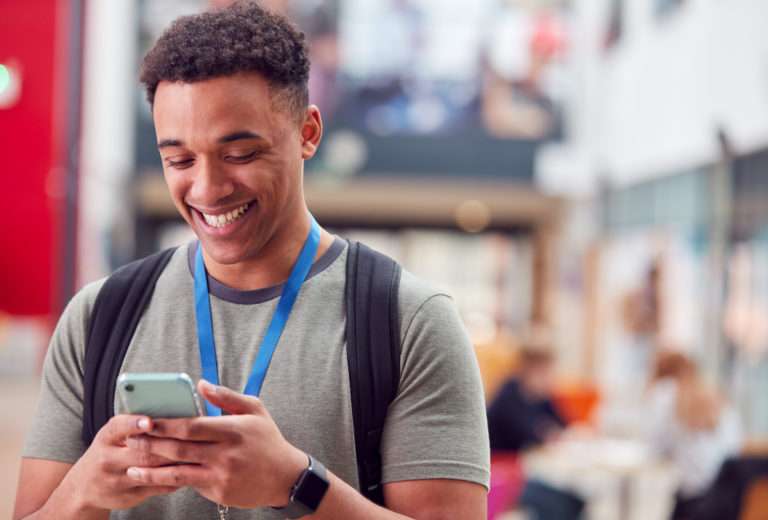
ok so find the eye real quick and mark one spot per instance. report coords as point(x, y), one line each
point(244, 158)
point(180, 164)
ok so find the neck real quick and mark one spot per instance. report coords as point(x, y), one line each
point(270, 267)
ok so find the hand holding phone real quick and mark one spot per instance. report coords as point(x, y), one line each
point(160, 395)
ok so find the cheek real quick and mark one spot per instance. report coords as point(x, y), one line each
point(283, 180)
point(177, 189)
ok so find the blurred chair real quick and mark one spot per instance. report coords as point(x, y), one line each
point(754, 506)
point(507, 482)
point(576, 401)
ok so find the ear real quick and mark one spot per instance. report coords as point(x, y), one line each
point(311, 132)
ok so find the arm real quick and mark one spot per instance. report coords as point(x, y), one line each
point(242, 460)
point(95, 484)
point(38, 479)
point(438, 499)
point(92, 480)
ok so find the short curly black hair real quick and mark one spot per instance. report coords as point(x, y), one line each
point(241, 37)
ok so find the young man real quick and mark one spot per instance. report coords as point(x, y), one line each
point(229, 98)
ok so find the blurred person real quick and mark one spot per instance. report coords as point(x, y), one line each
point(516, 102)
point(691, 424)
point(523, 416)
point(641, 308)
point(228, 90)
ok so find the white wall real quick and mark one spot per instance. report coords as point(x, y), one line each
point(107, 147)
point(652, 105)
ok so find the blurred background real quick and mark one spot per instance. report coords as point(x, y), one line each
point(591, 172)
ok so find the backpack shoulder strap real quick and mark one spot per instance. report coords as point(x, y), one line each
point(373, 354)
point(113, 320)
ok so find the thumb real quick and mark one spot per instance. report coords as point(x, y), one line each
point(228, 400)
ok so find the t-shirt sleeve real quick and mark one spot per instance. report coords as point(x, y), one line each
point(436, 427)
point(56, 430)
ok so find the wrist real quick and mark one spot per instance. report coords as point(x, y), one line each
point(292, 468)
point(70, 501)
point(75, 498)
point(308, 491)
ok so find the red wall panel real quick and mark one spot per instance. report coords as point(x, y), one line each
point(31, 144)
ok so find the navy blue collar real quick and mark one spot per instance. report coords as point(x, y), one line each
point(252, 297)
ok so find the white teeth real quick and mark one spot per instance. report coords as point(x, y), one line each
point(225, 218)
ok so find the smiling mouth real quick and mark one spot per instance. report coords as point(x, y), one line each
point(224, 219)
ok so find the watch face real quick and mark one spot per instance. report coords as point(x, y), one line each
point(310, 490)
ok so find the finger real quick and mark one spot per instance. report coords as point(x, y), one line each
point(147, 491)
point(170, 450)
point(203, 429)
point(170, 476)
point(228, 400)
point(140, 457)
point(122, 426)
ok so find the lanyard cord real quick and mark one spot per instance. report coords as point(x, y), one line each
point(276, 325)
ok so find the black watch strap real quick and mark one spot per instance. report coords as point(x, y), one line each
point(308, 491)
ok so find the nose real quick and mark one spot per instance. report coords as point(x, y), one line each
point(211, 183)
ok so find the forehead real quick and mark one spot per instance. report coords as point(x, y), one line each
point(242, 101)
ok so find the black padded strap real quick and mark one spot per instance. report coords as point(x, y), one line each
point(113, 320)
point(373, 354)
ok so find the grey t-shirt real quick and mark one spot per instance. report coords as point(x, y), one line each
point(435, 427)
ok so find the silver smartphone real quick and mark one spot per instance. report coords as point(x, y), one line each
point(160, 395)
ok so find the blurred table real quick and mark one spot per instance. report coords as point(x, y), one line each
point(618, 479)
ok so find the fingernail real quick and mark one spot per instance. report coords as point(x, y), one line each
point(132, 442)
point(144, 423)
point(134, 473)
point(210, 387)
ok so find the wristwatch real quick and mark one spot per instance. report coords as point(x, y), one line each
point(307, 492)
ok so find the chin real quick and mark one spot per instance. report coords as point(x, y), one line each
point(223, 254)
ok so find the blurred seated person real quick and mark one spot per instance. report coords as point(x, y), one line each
point(523, 416)
point(692, 425)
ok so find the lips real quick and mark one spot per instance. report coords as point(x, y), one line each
point(221, 223)
point(224, 219)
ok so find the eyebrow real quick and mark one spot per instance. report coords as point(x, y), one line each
point(234, 136)
point(165, 143)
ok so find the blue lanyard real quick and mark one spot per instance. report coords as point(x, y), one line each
point(276, 326)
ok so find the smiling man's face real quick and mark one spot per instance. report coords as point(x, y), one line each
point(233, 160)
